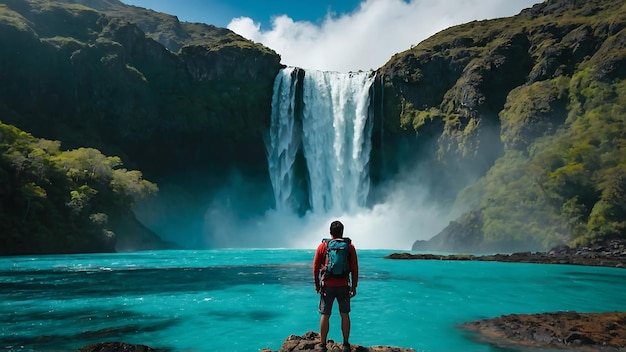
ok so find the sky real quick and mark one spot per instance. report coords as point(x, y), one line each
point(336, 35)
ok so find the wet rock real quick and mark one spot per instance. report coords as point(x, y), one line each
point(567, 330)
point(310, 341)
point(609, 254)
point(116, 347)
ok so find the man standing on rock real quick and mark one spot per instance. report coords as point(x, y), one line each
point(336, 274)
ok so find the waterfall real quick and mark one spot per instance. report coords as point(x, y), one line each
point(285, 134)
point(324, 118)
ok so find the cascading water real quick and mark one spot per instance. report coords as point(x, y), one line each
point(285, 134)
point(329, 124)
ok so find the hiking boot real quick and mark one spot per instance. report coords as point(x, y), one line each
point(346, 347)
point(321, 347)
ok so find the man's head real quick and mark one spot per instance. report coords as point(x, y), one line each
point(336, 229)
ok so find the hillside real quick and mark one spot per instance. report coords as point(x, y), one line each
point(528, 116)
point(113, 86)
point(188, 114)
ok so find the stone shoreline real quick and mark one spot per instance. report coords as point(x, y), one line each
point(305, 343)
point(563, 330)
point(611, 254)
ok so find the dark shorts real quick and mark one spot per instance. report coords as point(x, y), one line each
point(328, 296)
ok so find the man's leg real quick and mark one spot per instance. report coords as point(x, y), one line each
point(344, 309)
point(324, 327)
point(345, 328)
point(325, 308)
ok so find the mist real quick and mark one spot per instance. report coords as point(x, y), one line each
point(404, 215)
point(230, 218)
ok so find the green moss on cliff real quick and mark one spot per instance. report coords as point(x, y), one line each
point(549, 85)
point(533, 111)
point(13, 19)
point(569, 187)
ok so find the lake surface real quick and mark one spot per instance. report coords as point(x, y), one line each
point(246, 300)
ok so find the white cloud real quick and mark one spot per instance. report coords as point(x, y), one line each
point(368, 37)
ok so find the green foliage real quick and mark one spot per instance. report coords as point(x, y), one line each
point(513, 206)
point(532, 111)
point(60, 201)
point(99, 218)
point(570, 187)
point(415, 119)
point(13, 19)
point(79, 198)
point(608, 216)
point(131, 184)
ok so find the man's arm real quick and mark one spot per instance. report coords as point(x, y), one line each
point(317, 266)
point(354, 269)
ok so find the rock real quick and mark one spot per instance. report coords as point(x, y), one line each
point(457, 236)
point(310, 340)
point(116, 347)
point(568, 330)
point(609, 254)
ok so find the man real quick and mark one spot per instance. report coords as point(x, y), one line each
point(339, 287)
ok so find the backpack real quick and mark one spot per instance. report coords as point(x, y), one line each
point(337, 253)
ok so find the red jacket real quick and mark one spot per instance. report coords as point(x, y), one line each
point(320, 261)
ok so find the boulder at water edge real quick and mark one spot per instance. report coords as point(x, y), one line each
point(310, 340)
point(563, 330)
point(116, 347)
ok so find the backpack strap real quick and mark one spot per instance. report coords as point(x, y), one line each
point(343, 239)
point(326, 241)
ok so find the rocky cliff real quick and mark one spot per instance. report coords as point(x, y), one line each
point(105, 82)
point(526, 118)
point(182, 102)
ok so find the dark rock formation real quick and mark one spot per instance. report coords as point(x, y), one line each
point(564, 330)
point(116, 347)
point(494, 105)
point(458, 236)
point(310, 340)
point(611, 254)
point(293, 343)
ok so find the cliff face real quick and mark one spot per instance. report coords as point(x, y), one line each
point(81, 73)
point(527, 117)
point(105, 78)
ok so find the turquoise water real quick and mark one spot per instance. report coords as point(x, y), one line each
point(245, 300)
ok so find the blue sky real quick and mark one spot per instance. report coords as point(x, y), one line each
point(336, 35)
point(221, 12)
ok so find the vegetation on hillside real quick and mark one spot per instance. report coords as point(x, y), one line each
point(61, 201)
point(538, 102)
point(187, 104)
